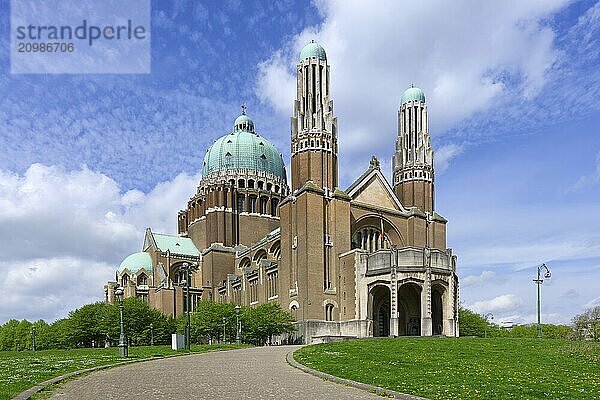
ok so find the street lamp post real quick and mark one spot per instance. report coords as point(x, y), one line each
point(539, 282)
point(238, 325)
point(187, 268)
point(486, 316)
point(33, 338)
point(223, 329)
point(123, 350)
point(151, 334)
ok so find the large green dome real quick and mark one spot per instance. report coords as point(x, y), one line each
point(313, 49)
point(136, 261)
point(412, 94)
point(243, 149)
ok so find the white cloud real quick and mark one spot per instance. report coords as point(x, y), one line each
point(485, 276)
point(50, 287)
point(65, 231)
point(276, 85)
point(460, 53)
point(590, 179)
point(505, 302)
point(593, 303)
point(444, 154)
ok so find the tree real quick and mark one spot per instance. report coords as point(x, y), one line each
point(138, 316)
point(206, 322)
point(265, 321)
point(473, 324)
point(587, 325)
point(86, 326)
point(8, 340)
point(259, 324)
point(59, 334)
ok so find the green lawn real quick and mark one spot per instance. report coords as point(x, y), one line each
point(439, 368)
point(22, 370)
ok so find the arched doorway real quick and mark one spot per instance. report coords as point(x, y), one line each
point(437, 310)
point(409, 307)
point(381, 310)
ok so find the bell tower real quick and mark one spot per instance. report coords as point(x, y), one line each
point(412, 163)
point(315, 218)
point(314, 127)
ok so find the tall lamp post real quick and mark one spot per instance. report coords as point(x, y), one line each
point(238, 329)
point(223, 329)
point(539, 282)
point(486, 316)
point(33, 338)
point(187, 268)
point(123, 350)
point(151, 334)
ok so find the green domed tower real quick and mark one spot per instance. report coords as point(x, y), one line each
point(243, 149)
point(243, 182)
point(412, 163)
point(314, 127)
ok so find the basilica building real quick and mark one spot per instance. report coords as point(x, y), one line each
point(367, 260)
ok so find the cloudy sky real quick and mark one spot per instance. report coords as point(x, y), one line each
point(513, 88)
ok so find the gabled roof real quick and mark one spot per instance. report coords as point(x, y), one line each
point(372, 184)
point(172, 243)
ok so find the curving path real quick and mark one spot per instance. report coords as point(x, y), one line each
point(255, 373)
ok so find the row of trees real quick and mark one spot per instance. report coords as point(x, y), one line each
point(92, 325)
point(584, 326)
point(217, 322)
point(96, 324)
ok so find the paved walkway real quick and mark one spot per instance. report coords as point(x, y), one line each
point(255, 373)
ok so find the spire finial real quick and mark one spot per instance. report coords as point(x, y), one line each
point(244, 108)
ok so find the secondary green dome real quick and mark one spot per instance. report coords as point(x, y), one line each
point(243, 149)
point(313, 49)
point(136, 261)
point(412, 94)
point(243, 123)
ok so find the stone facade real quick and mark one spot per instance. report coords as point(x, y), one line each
point(370, 260)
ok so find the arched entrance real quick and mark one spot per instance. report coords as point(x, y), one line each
point(409, 310)
point(381, 310)
point(437, 310)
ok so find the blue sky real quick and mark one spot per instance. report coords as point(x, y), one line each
point(513, 90)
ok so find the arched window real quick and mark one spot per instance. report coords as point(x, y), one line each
point(276, 250)
point(241, 202)
point(370, 239)
point(142, 279)
point(252, 204)
point(329, 312)
point(263, 205)
point(260, 255)
point(245, 263)
point(124, 280)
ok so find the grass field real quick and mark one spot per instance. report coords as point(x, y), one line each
point(438, 368)
point(22, 370)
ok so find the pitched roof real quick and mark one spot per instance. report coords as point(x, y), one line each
point(175, 244)
point(373, 180)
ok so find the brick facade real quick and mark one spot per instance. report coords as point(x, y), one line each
point(368, 261)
